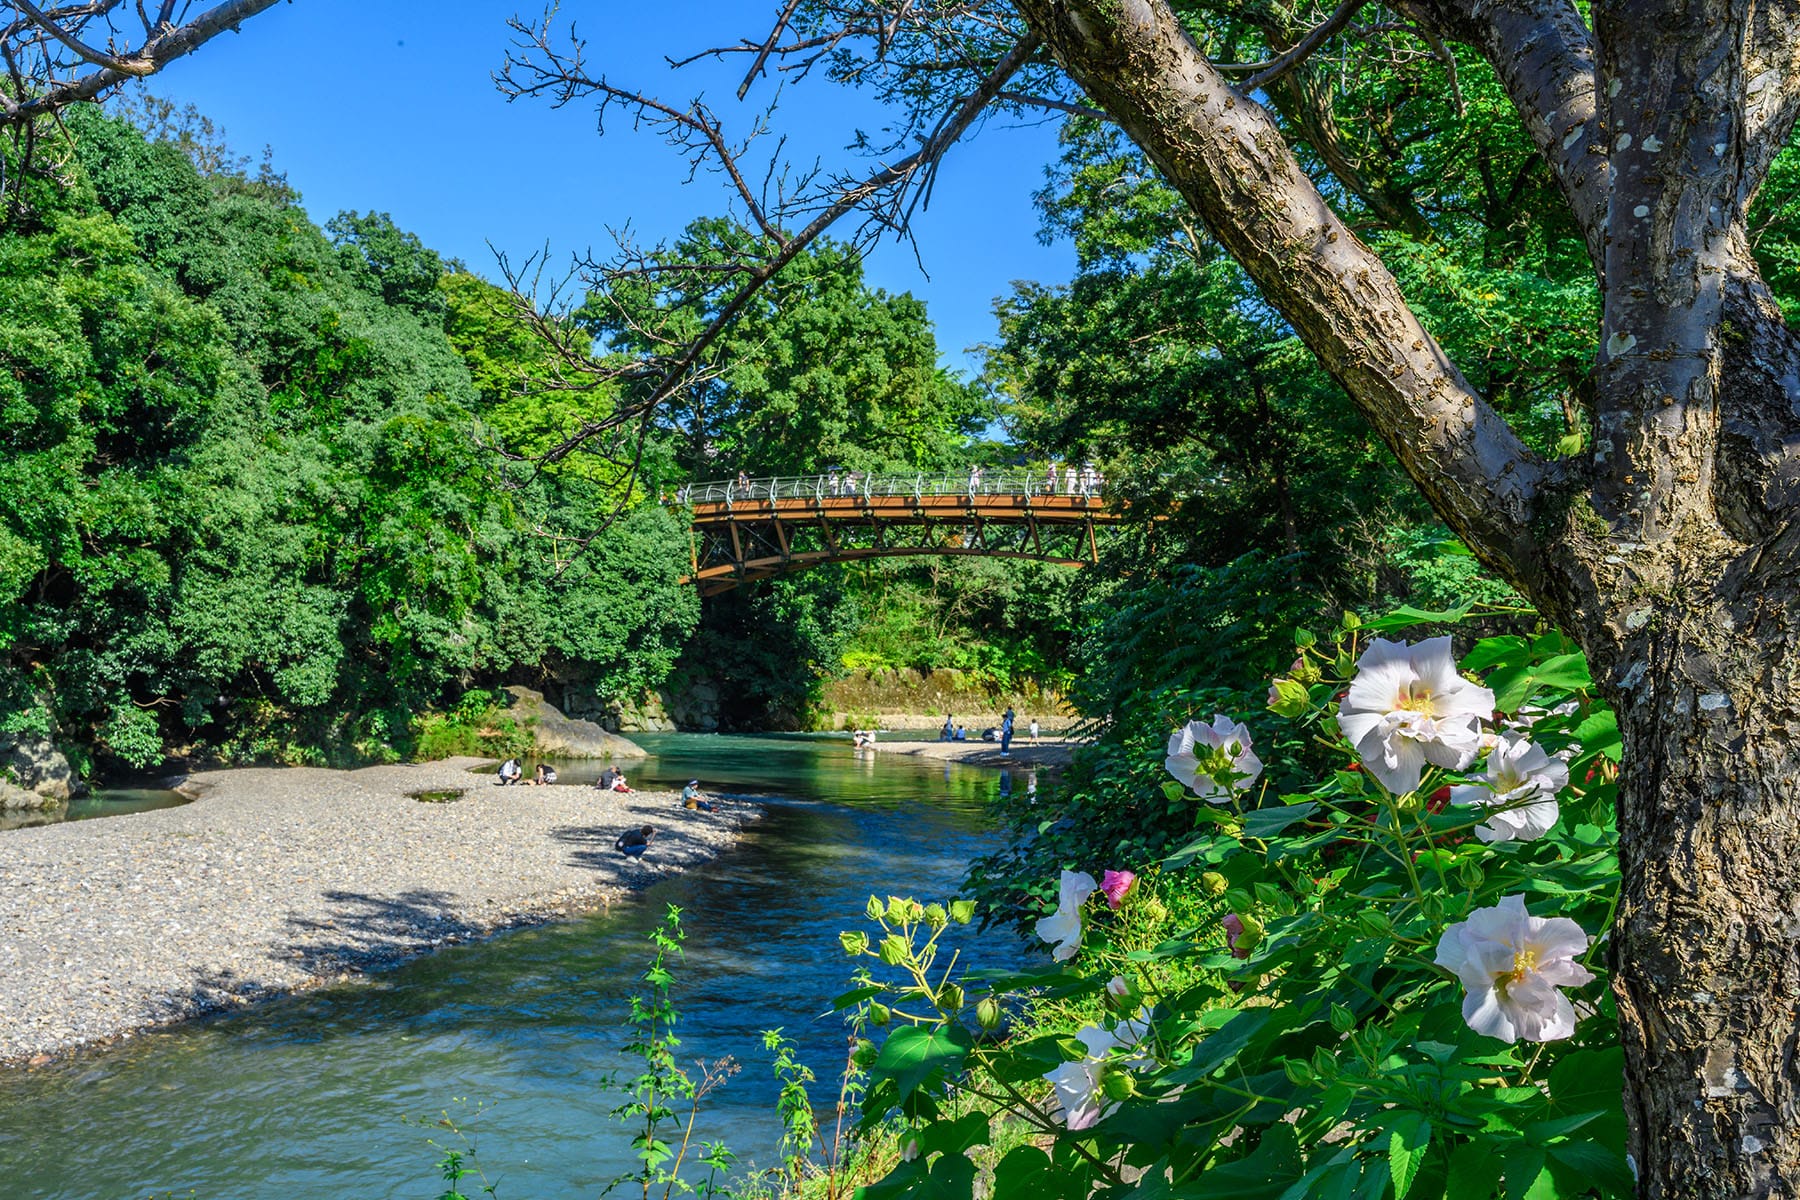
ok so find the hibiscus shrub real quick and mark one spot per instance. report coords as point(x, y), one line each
point(1392, 988)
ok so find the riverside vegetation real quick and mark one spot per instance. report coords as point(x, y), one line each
point(1379, 979)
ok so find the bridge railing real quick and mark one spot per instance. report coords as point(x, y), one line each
point(842, 485)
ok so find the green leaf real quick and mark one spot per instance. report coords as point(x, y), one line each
point(1406, 616)
point(1599, 734)
point(1410, 1134)
point(1266, 1173)
point(914, 1054)
point(1267, 822)
point(1474, 1171)
point(1587, 1164)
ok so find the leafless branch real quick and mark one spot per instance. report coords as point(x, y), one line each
point(1303, 49)
point(54, 82)
point(676, 362)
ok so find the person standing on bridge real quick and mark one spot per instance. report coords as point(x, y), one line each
point(1050, 479)
point(974, 480)
point(743, 481)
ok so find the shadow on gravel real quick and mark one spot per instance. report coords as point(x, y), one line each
point(366, 930)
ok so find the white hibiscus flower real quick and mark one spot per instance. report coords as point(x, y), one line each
point(1079, 1086)
point(1407, 707)
point(1063, 927)
point(1522, 782)
point(1213, 759)
point(1513, 965)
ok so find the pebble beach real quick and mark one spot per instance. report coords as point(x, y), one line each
point(280, 879)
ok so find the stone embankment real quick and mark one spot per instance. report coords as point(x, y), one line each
point(284, 878)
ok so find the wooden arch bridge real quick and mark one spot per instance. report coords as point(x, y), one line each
point(748, 529)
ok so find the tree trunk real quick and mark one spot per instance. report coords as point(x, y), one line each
point(1699, 662)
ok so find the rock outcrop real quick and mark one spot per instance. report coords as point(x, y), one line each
point(562, 737)
point(35, 764)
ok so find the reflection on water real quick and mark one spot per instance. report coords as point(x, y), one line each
point(304, 1096)
point(105, 802)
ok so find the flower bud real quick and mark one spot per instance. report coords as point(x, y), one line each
point(854, 942)
point(1304, 638)
point(1351, 620)
point(1152, 910)
point(1213, 883)
point(962, 911)
point(1238, 900)
point(1471, 873)
point(1342, 1019)
point(1298, 1071)
point(1374, 923)
point(896, 908)
point(1324, 1064)
point(909, 1147)
point(1253, 932)
point(1409, 802)
point(1289, 697)
point(950, 998)
point(874, 909)
point(865, 1053)
point(987, 1013)
point(878, 1014)
point(1118, 1085)
point(936, 917)
point(893, 949)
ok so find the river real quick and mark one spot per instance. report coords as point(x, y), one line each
point(310, 1095)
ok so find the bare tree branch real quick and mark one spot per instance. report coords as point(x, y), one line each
point(886, 197)
point(1305, 48)
point(162, 45)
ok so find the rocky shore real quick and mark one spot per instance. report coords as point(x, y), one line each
point(278, 879)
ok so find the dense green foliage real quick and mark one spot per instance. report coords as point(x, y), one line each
point(249, 509)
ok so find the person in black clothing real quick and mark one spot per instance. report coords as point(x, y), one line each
point(633, 842)
point(608, 777)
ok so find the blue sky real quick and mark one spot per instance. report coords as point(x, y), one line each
point(389, 106)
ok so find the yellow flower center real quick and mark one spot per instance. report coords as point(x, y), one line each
point(1524, 963)
point(1415, 698)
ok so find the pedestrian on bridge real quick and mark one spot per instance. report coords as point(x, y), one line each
point(1050, 479)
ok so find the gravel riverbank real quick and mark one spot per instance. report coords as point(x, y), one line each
point(1045, 752)
point(280, 879)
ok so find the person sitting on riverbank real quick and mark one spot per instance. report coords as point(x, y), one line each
point(948, 732)
point(546, 774)
point(619, 785)
point(510, 772)
point(692, 799)
point(633, 842)
point(962, 734)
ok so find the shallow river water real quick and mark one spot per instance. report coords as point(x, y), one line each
point(310, 1096)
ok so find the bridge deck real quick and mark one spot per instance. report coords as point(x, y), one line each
point(761, 528)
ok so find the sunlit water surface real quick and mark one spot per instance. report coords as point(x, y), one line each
point(310, 1096)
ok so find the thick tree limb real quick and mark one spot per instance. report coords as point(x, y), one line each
point(161, 46)
point(1228, 159)
point(1544, 55)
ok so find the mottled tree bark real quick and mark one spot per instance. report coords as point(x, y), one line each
point(1670, 551)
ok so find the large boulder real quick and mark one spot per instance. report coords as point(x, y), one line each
point(12, 796)
point(561, 737)
point(35, 764)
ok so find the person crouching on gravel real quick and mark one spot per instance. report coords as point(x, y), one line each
point(633, 842)
point(545, 775)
